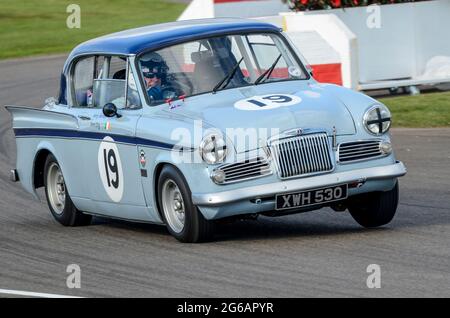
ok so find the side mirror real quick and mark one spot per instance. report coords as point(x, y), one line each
point(110, 110)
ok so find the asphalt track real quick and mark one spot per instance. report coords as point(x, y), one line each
point(320, 253)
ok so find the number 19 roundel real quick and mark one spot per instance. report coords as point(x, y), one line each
point(110, 168)
point(266, 102)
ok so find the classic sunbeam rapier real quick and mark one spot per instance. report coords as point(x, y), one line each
point(119, 141)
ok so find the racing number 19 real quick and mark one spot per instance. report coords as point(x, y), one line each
point(111, 167)
point(271, 99)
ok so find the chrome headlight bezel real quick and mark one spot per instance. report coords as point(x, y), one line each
point(214, 142)
point(381, 115)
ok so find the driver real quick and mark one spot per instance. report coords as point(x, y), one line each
point(154, 69)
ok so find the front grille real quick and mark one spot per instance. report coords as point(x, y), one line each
point(302, 155)
point(359, 150)
point(244, 170)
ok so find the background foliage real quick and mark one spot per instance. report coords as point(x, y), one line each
point(305, 5)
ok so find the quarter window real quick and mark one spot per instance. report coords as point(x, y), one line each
point(84, 82)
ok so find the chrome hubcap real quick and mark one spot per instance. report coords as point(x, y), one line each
point(173, 206)
point(56, 188)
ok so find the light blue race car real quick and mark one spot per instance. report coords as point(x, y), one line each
point(186, 123)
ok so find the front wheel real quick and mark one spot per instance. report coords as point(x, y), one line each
point(182, 218)
point(374, 209)
point(58, 198)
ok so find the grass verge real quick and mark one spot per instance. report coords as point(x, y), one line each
point(32, 27)
point(426, 110)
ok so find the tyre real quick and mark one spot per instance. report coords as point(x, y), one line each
point(182, 218)
point(374, 209)
point(58, 198)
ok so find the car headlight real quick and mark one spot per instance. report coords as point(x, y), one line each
point(213, 149)
point(377, 120)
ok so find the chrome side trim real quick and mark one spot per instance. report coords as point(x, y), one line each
point(394, 170)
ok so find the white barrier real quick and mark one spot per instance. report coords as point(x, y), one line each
point(338, 36)
point(315, 50)
point(248, 8)
point(198, 9)
point(397, 50)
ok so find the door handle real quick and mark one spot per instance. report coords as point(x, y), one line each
point(84, 117)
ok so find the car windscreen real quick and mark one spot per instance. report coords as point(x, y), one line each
point(216, 63)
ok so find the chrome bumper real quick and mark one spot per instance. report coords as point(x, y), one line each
point(395, 170)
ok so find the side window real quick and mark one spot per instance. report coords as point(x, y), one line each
point(98, 80)
point(110, 83)
point(83, 81)
point(117, 68)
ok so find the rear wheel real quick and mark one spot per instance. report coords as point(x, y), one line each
point(58, 198)
point(182, 218)
point(374, 209)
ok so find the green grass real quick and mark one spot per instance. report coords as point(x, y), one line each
point(426, 110)
point(31, 27)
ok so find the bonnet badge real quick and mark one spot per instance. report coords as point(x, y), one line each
point(295, 132)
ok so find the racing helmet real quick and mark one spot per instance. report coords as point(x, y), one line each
point(152, 64)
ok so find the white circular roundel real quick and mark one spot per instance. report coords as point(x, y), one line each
point(270, 101)
point(110, 168)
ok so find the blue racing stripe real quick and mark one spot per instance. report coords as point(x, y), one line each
point(66, 133)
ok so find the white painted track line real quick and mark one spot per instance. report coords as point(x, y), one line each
point(32, 294)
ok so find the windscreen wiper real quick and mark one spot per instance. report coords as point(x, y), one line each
point(268, 72)
point(227, 78)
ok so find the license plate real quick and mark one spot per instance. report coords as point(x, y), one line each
point(310, 197)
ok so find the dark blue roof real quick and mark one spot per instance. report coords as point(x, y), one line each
point(137, 40)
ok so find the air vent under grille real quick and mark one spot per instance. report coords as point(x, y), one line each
point(302, 155)
point(245, 170)
point(359, 150)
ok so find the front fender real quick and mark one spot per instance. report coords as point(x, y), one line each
point(357, 103)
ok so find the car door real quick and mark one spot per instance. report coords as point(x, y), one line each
point(111, 168)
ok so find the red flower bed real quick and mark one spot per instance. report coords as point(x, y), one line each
point(306, 5)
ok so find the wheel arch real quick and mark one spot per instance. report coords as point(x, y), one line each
point(38, 167)
point(156, 173)
point(43, 150)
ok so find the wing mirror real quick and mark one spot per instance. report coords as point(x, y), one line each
point(110, 110)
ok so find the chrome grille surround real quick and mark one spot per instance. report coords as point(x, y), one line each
point(302, 155)
point(359, 150)
point(245, 170)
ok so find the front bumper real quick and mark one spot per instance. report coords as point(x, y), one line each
point(391, 171)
